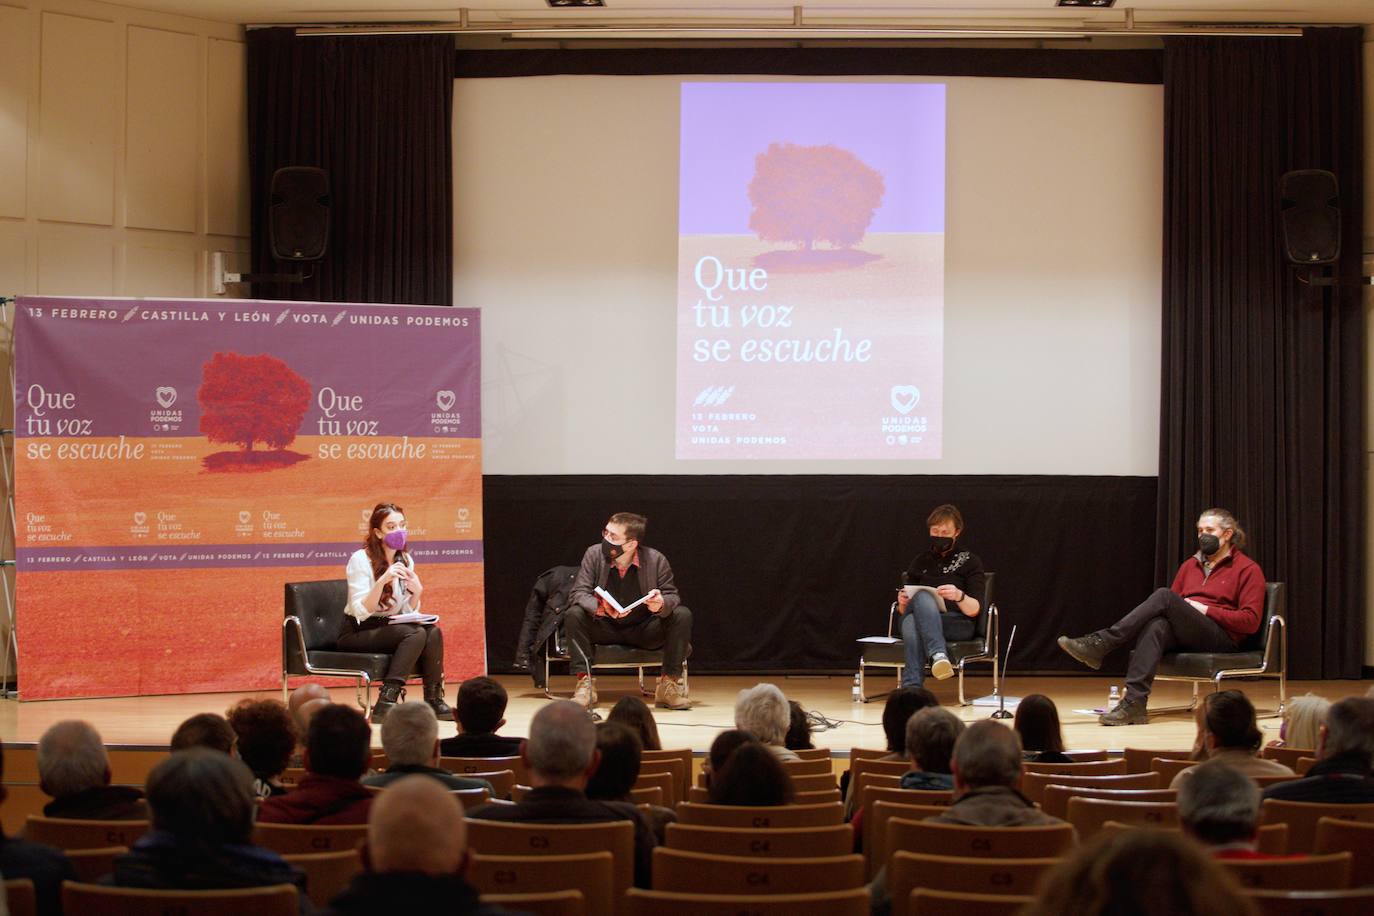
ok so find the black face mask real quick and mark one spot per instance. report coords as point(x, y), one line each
point(611, 551)
point(1209, 544)
point(942, 546)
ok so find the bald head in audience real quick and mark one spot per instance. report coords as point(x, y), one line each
point(416, 825)
point(303, 696)
point(561, 749)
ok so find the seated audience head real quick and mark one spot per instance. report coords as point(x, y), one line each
point(338, 743)
point(307, 712)
point(986, 754)
point(1302, 720)
point(1037, 722)
point(416, 825)
point(1219, 805)
point(751, 776)
point(762, 711)
point(266, 735)
point(721, 749)
point(561, 748)
point(301, 696)
point(621, 755)
point(410, 735)
point(931, 735)
point(72, 759)
point(1349, 729)
point(481, 706)
point(1141, 872)
point(206, 729)
point(1230, 723)
point(901, 704)
point(634, 713)
point(203, 798)
point(798, 729)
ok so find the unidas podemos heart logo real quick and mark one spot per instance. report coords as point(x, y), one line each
point(166, 396)
point(445, 399)
point(140, 517)
point(904, 398)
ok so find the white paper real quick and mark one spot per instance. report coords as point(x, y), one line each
point(413, 617)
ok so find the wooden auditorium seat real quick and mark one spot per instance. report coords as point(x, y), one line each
point(823, 815)
point(667, 903)
point(1116, 767)
point(553, 903)
point(1055, 801)
point(276, 900)
point(500, 838)
point(1330, 872)
point(1302, 818)
point(1271, 839)
point(1138, 759)
point(592, 874)
point(785, 842)
point(91, 865)
point(910, 870)
point(1087, 815)
point(71, 833)
point(327, 874)
point(290, 839)
point(1354, 837)
point(1033, 784)
point(1358, 902)
point(685, 872)
point(927, 902)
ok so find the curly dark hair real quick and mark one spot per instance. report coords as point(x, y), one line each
point(267, 735)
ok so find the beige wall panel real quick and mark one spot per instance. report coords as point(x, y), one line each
point(161, 271)
point(162, 152)
point(78, 105)
point(15, 41)
point(227, 140)
point(75, 262)
point(13, 259)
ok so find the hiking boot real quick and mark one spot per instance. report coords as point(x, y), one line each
point(940, 667)
point(1127, 712)
point(585, 694)
point(669, 695)
point(434, 696)
point(1090, 649)
point(388, 697)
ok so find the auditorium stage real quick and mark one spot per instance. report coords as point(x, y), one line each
point(149, 721)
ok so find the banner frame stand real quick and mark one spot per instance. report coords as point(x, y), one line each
point(9, 534)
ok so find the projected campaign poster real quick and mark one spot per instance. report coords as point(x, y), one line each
point(811, 271)
point(177, 462)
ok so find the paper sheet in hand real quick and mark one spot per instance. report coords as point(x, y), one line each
point(616, 609)
point(413, 617)
point(911, 591)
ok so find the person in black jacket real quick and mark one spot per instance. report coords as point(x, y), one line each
point(480, 710)
point(75, 770)
point(928, 622)
point(1345, 754)
point(46, 867)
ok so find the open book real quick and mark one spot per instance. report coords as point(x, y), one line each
point(616, 610)
point(413, 617)
point(911, 591)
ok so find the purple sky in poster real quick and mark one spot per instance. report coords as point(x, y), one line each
point(896, 128)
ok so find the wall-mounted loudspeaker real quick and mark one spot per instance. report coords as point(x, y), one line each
point(298, 224)
point(1311, 216)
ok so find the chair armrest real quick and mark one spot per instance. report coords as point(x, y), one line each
point(1276, 621)
point(292, 622)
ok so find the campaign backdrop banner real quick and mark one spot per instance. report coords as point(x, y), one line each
point(177, 462)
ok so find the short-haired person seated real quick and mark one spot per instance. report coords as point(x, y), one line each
point(267, 739)
point(928, 624)
point(383, 582)
point(410, 737)
point(205, 729)
point(762, 711)
point(480, 709)
point(1215, 602)
point(931, 735)
point(1230, 733)
point(627, 570)
point(202, 803)
point(1219, 806)
point(1345, 755)
point(337, 751)
point(74, 769)
point(751, 777)
point(45, 866)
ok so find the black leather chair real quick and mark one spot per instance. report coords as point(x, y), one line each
point(890, 654)
point(314, 614)
point(1264, 654)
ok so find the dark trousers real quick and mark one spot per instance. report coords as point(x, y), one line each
point(409, 644)
point(584, 630)
point(1163, 623)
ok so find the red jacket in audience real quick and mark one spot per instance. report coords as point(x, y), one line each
point(319, 800)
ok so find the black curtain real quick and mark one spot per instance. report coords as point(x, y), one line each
point(374, 113)
point(1262, 407)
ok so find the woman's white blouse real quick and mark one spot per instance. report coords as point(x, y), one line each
point(361, 581)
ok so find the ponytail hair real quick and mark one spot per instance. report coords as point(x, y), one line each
point(1228, 520)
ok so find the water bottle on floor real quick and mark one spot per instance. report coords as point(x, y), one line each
point(1113, 699)
point(857, 695)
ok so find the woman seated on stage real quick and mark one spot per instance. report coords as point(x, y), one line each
point(929, 622)
point(382, 583)
point(1037, 722)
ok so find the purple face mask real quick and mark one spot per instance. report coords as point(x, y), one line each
point(396, 540)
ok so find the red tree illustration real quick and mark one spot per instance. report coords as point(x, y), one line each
point(250, 399)
point(809, 194)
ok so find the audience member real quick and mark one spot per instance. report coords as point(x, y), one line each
point(761, 710)
point(798, 729)
point(416, 850)
point(202, 803)
point(931, 735)
point(1037, 722)
point(1141, 872)
point(75, 770)
point(1219, 806)
point(633, 712)
point(752, 777)
point(1302, 719)
point(46, 867)
point(410, 737)
point(1345, 750)
point(337, 749)
point(721, 748)
point(901, 705)
point(561, 756)
point(479, 711)
point(266, 740)
point(987, 767)
point(206, 729)
point(1230, 733)
point(621, 756)
point(301, 696)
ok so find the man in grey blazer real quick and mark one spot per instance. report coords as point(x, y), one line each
point(627, 571)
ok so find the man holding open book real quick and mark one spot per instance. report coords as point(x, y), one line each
point(624, 594)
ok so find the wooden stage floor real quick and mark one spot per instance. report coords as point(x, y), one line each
point(150, 721)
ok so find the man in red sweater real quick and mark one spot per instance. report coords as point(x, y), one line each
point(1216, 600)
point(337, 750)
